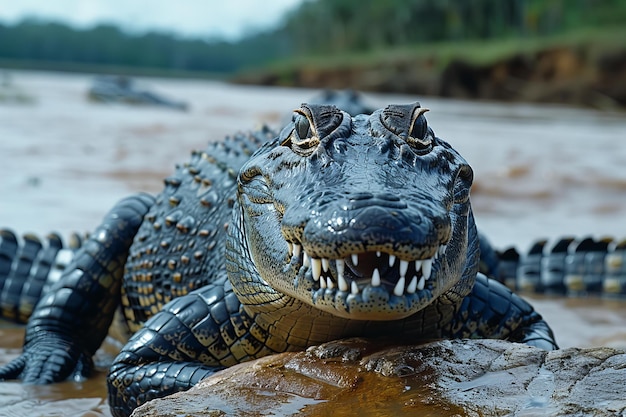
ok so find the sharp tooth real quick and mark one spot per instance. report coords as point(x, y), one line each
point(399, 288)
point(296, 249)
point(442, 249)
point(420, 285)
point(404, 266)
point(354, 289)
point(392, 260)
point(325, 264)
point(343, 285)
point(378, 253)
point(418, 265)
point(375, 278)
point(340, 266)
point(436, 255)
point(412, 285)
point(426, 267)
point(290, 248)
point(330, 283)
point(305, 260)
point(355, 259)
point(323, 283)
point(316, 269)
point(341, 281)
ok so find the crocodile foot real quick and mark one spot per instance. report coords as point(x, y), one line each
point(49, 358)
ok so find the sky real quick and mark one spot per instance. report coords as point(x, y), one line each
point(227, 19)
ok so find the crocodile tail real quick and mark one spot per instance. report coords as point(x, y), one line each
point(28, 267)
point(568, 266)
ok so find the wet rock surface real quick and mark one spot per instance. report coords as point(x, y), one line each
point(459, 377)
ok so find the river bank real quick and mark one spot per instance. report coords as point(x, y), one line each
point(586, 71)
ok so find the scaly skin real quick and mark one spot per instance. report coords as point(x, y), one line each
point(337, 227)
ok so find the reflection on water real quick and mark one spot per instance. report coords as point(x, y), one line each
point(86, 398)
point(63, 399)
point(540, 172)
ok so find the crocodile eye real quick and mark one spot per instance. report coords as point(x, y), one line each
point(420, 137)
point(420, 127)
point(302, 126)
point(303, 139)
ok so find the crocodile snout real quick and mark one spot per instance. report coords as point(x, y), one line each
point(371, 223)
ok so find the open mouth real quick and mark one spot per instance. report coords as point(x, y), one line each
point(376, 269)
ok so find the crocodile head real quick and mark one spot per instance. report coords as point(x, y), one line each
point(364, 217)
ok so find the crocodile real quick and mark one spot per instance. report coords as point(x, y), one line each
point(337, 226)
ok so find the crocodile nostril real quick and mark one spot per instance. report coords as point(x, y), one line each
point(361, 196)
point(387, 197)
point(380, 200)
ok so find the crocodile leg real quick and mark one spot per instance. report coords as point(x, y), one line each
point(71, 320)
point(493, 311)
point(188, 340)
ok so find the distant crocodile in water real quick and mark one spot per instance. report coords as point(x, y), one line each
point(338, 226)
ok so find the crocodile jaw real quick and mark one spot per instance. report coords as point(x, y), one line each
point(361, 286)
point(362, 294)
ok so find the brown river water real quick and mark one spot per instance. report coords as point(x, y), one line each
point(541, 171)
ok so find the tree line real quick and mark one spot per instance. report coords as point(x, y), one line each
point(317, 27)
point(334, 26)
point(34, 40)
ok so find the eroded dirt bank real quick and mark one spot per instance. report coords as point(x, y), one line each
point(581, 76)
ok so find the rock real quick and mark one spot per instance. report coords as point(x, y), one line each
point(451, 377)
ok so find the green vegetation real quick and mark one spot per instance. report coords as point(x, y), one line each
point(325, 32)
point(337, 26)
point(106, 48)
point(474, 51)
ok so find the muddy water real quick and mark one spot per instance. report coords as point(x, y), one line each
point(540, 172)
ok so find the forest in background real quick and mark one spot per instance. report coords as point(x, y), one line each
point(107, 48)
point(319, 28)
point(355, 25)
